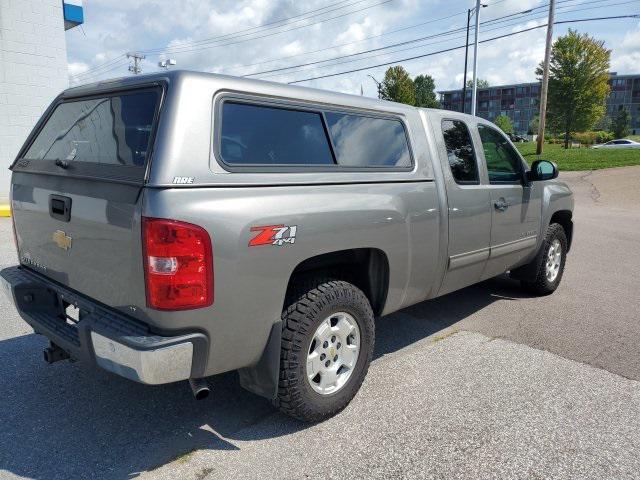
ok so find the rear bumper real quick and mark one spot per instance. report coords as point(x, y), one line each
point(104, 336)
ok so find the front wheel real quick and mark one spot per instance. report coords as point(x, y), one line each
point(551, 260)
point(327, 345)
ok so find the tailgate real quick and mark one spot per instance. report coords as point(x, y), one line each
point(76, 194)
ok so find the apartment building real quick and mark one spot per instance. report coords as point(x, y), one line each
point(521, 102)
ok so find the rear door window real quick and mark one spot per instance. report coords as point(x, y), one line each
point(114, 130)
point(462, 159)
point(263, 135)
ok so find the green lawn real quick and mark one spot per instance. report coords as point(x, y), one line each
point(580, 158)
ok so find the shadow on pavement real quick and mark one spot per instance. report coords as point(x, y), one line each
point(65, 421)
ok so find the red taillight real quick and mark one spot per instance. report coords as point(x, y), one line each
point(178, 264)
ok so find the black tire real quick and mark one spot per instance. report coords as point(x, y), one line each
point(541, 284)
point(300, 319)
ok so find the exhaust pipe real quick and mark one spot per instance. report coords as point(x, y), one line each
point(199, 387)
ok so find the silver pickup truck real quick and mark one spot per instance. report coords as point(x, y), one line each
point(175, 226)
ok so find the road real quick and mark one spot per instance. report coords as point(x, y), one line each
point(487, 382)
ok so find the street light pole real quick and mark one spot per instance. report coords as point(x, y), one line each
point(475, 61)
point(466, 58)
point(378, 84)
point(545, 79)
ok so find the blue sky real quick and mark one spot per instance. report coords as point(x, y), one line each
point(228, 37)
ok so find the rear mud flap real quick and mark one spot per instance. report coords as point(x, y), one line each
point(262, 378)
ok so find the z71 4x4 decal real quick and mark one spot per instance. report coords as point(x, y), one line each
point(273, 235)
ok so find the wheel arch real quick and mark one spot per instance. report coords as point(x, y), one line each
point(564, 219)
point(528, 271)
point(366, 268)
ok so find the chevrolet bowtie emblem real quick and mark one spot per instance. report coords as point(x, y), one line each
point(62, 240)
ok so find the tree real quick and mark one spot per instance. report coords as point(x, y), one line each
point(425, 92)
point(534, 125)
point(578, 88)
point(482, 83)
point(603, 124)
point(504, 123)
point(397, 86)
point(621, 124)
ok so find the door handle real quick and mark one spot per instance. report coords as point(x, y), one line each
point(60, 207)
point(501, 204)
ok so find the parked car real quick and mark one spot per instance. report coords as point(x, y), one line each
point(514, 137)
point(180, 225)
point(620, 143)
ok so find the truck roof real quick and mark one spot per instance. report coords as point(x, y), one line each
point(250, 85)
point(186, 138)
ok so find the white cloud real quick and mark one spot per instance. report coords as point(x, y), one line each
point(234, 19)
point(292, 48)
point(626, 58)
point(76, 68)
point(113, 28)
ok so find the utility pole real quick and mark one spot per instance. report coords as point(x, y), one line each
point(545, 79)
point(475, 61)
point(466, 57)
point(136, 68)
point(378, 84)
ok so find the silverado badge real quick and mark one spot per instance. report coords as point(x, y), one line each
point(62, 240)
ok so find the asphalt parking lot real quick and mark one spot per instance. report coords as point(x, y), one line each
point(487, 382)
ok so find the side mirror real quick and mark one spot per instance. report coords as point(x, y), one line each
point(542, 170)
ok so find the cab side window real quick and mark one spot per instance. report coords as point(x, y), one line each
point(256, 135)
point(262, 135)
point(462, 159)
point(503, 162)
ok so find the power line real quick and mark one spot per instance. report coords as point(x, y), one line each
point(411, 48)
point(102, 65)
point(446, 33)
point(355, 54)
point(459, 47)
point(121, 59)
point(400, 30)
point(115, 59)
point(241, 33)
point(390, 32)
point(85, 76)
point(180, 49)
point(400, 50)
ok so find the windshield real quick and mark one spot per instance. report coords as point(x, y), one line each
point(114, 129)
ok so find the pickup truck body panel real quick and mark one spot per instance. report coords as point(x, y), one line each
point(250, 282)
point(437, 236)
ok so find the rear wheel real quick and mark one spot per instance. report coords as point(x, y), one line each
point(551, 259)
point(327, 345)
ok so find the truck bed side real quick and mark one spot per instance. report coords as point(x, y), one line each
point(399, 219)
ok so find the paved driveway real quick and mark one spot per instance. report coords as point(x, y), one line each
point(486, 382)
